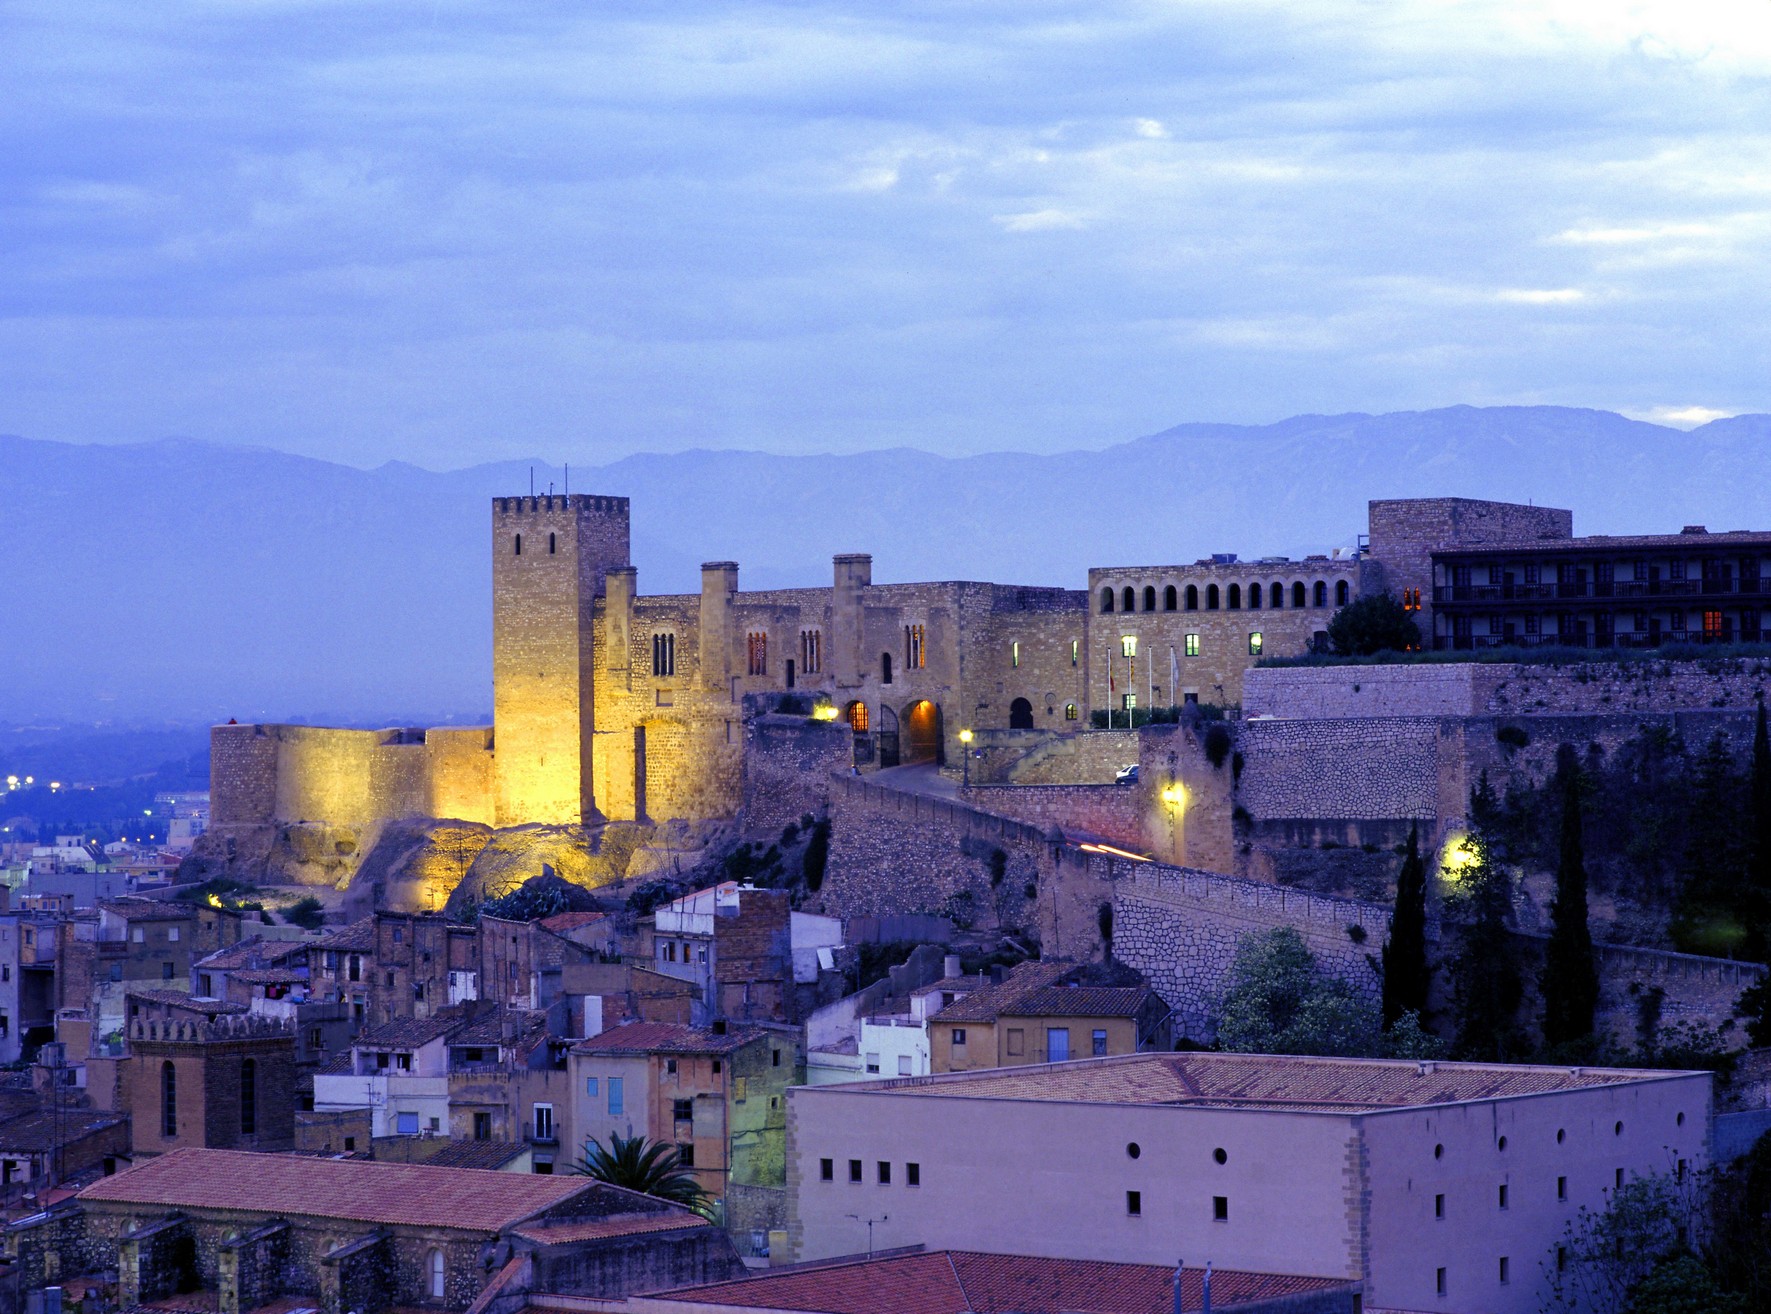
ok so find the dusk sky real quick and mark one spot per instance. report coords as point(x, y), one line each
point(449, 233)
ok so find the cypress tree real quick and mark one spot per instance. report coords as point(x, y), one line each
point(1485, 972)
point(1570, 985)
point(1758, 900)
point(1406, 975)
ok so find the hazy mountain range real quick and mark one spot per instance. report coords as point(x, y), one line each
point(187, 579)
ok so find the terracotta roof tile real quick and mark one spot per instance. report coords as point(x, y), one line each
point(358, 937)
point(667, 1038)
point(969, 1282)
point(560, 923)
point(1080, 1001)
point(986, 1004)
point(179, 999)
point(1259, 1081)
point(413, 1195)
point(595, 1229)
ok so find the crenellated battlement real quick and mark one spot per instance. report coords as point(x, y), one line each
point(550, 502)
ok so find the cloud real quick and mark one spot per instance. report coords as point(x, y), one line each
point(1682, 417)
point(449, 233)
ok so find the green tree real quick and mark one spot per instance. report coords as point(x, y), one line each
point(1406, 974)
point(649, 1167)
point(1279, 1001)
point(1608, 1254)
point(1739, 1240)
point(1374, 623)
point(1486, 981)
point(1570, 983)
point(306, 912)
point(1683, 1285)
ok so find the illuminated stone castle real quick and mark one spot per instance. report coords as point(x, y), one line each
point(610, 706)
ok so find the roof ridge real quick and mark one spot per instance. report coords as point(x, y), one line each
point(959, 1281)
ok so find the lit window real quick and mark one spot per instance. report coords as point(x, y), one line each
point(1192, 645)
point(1069, 711)
point(915, 654)
point(857, 717)
point(1128, 645)
point(1014, 653)
point(1075, 651)
point(1254, 643)
point(757, 648)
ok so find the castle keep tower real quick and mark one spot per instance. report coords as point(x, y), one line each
point(551, 557)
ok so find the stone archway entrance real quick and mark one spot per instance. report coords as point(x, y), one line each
point(921, 738)
point(1020, 715)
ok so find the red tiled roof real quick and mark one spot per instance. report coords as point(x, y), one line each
point(969, 1282)
point(667, 1038)
point(595, 1229)
point(357, 937)
point(560, 923)
point(987, 1004)
point(413, 1195)
point(1259, 1081)
point(1080, 1001)
point(179, 999)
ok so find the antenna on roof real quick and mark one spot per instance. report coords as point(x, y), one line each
point(568, 479)
point(531, 481)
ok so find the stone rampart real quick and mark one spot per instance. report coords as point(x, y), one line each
point(789, 762)
point(1110, 812)
point(1181, 929)
point(1092, 757)
point(1415, 689)
point(1343, 769)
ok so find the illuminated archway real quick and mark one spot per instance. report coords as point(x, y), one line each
point(920, 740)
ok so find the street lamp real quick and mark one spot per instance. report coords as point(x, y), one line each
point(965, 737)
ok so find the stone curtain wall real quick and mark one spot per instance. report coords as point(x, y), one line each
point(1091, 758)
point(1503, 688)
point(1340, 769)
point(789, 762)
point(1111, 812)
point(1181, 929)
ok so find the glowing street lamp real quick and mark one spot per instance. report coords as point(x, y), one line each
point(965, 737)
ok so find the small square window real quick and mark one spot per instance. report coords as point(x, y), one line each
point(854, 1170)
point(685, 1154)
point(682, 1110)
point(1134, 1203)
point(827, 1170)
point(1254, 644)
point(959, 1035)
point(350, 1144)
point(1192, 645)
point(1098, 1043)
point(1220, 1208)
point(670, 1067)
point(913, 1174)
point(717, 1069)
point(885, 1173)
point(904, 1065)
point(590, 1085)
point(775, 1059)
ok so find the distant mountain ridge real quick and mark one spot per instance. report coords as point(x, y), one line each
point(181, 578)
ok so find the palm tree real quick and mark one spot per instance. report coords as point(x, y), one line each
point(649, 1167)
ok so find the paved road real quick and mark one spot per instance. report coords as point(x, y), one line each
point(923, 778)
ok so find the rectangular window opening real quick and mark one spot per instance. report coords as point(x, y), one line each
point(913, 1174)
point(1220, 1208)
point(827, 1170)
point(1134, 1203)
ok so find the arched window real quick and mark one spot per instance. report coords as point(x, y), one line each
point(1211, 597)
point(1321, 594)
point(1297, 594)
point(434, 1271)
point(1106, 600)
point(248, 1097)
point(856, 713)
point(1128, 599)
point(552, 544)
point(1020, 715)
point(168, 1100)
point(1149, 597)
point(1234, 601)
point(1276, 591)
point(1192, 597)
point(1340, 593)
point(1069, 711)
point(1254, 597)
point(1168, 598)
point(519, 546)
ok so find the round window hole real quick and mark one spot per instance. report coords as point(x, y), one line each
point(1502, 1143)
point(1561, 1135)
point(1438, 1151)
point(1617, 1130)
point(1681, 1120)
point(1220, 1156)
point(1133, 1150)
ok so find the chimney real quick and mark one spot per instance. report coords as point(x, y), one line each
point(950, 966)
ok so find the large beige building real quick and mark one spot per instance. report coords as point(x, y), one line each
point(1441, 1186)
